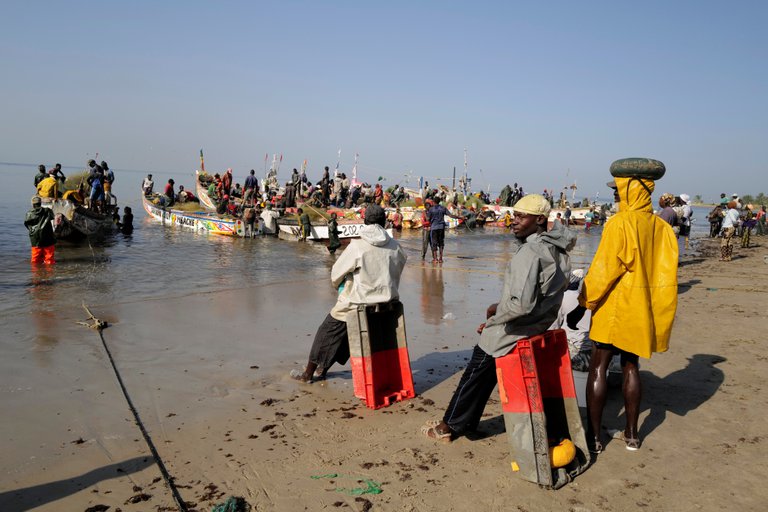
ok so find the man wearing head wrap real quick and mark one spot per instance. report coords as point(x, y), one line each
point(631, 290)
point(38, 222)
point(534, 283)
point(367, 272)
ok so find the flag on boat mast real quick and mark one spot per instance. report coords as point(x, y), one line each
point(354, 170)
point(202, 162)
point(338, 162)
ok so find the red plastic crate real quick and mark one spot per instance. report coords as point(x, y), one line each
point(381, 368)
point(538, 400)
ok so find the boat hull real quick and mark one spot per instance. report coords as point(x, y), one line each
point(201, 222)
point(289, 229)
point(76, 223)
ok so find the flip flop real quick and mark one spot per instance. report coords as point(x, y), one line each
point(596, 446)
point(298, 375)
point(632, 443)
point(429, 429)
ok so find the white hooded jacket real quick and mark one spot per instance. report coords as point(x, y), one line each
point(369, 268)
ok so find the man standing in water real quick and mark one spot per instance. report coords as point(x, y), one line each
point(436, 215)
point(631, 290)
point(38, 222)
point(367, 272)
point(534, 283)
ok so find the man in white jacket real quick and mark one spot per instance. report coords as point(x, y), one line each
point(367, 272)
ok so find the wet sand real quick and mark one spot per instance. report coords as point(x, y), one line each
point(207, 373)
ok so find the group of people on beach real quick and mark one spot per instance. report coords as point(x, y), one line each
point(731, 218)
point(632, 283)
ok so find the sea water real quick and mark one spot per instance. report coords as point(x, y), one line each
point(158, 261)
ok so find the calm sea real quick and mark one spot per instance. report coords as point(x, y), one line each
point(157, 261)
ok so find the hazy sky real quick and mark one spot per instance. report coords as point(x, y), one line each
point(541, 93)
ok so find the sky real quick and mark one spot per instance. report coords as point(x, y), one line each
point(545, 94)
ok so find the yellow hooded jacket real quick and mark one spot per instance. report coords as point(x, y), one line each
point(631, 286)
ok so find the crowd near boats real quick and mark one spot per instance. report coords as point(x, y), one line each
point(296, 209)
point(300, 209)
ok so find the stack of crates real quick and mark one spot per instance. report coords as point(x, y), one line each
point(539, 404)
point(381, 368)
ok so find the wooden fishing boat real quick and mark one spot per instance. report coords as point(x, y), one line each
point(74, 222)
point(199, 221)
point(289, 229)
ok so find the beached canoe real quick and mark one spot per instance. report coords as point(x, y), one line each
point(288, 229)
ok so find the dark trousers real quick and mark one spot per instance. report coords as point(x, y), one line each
point(472, 394)
point(425, 242)
point(331, 344)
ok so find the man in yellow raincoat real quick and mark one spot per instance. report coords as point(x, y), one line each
point(631, 289)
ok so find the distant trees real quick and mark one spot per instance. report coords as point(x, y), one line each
point(697, 199)
point(760, 199)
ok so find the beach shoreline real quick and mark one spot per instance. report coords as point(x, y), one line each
point(228, 421)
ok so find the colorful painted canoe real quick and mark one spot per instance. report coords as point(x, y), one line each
point(201, 221)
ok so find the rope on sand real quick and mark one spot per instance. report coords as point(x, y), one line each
point(99, 326)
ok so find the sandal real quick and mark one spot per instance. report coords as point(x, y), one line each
point(596, 446)
point(299, 376)
point(429, 429)
point(632, 443)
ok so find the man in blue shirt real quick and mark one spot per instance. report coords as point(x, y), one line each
point(436, 216)
point(251, 187)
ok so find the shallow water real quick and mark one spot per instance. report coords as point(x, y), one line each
point(157, 261)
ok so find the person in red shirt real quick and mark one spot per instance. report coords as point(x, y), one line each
point(169, 193)
point(425, 229)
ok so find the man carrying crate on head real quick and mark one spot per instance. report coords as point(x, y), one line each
point(367, 272)
point(534, 283)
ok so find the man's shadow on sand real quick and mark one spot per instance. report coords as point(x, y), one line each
point(680, 392)
point(38, 495)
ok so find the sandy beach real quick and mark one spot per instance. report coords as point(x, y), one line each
point(208, 374)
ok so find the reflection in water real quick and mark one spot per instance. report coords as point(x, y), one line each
point(42, 291)
point(432, 290)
